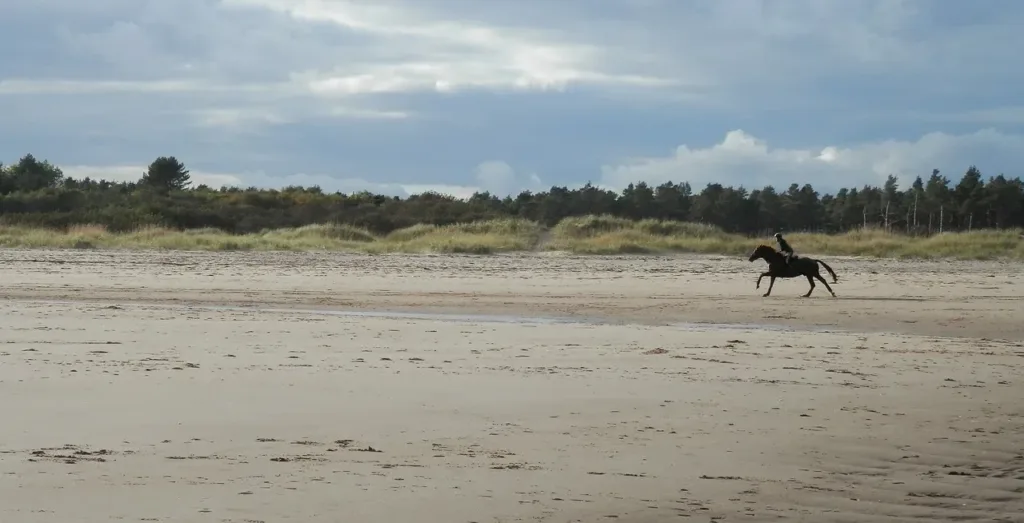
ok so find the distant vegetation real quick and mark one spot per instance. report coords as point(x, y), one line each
point(581, 235)
point(40, 207)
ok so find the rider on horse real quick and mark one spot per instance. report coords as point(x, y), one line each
point(784, 247)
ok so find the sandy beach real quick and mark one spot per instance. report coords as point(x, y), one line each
point(269, 387)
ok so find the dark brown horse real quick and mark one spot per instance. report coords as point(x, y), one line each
point(798, 266)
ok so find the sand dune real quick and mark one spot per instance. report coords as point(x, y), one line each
point(244, 387)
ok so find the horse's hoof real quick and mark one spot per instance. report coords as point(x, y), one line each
point(765, 295)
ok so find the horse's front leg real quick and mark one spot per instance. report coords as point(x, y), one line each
point(771, 283)
point(763, 274)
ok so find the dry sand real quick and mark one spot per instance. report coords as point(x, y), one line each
point(212, 387)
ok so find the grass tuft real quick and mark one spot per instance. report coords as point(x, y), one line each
point(483, 237)
point(611, 235)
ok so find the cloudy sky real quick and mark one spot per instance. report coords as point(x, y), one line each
point(401, 96)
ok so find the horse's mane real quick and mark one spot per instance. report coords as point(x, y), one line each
point(765, 246)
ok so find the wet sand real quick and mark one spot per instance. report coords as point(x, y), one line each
point(244, 387)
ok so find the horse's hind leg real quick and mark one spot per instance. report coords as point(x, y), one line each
point(825, 283)
point(809, 291)
point(771, 283)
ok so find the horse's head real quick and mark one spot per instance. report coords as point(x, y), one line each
point(762, 251)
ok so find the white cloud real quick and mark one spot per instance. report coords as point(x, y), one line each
point(742, 159)
point(442, 53)
point(252, 119)
point(461, 192)
point(497, 177)
point(739, 159)
point(125, 173)
point(500, 179)
point(367, 114)
point(733, 50)
point(132, 173)
point(239, 118)
point(1001, 115)
point(58, 87)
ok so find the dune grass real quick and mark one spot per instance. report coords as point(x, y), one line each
point(483, 237)
point(581, 235)
point(973, 245)
point(310, 237)
point(610, 235)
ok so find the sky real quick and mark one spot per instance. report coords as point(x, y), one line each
point(457, 96)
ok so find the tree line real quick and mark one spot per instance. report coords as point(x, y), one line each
point(36, 192)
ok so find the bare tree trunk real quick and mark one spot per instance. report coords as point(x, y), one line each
point(915, 209)
point(941, 217)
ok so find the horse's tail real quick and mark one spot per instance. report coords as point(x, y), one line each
point(830, 271)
